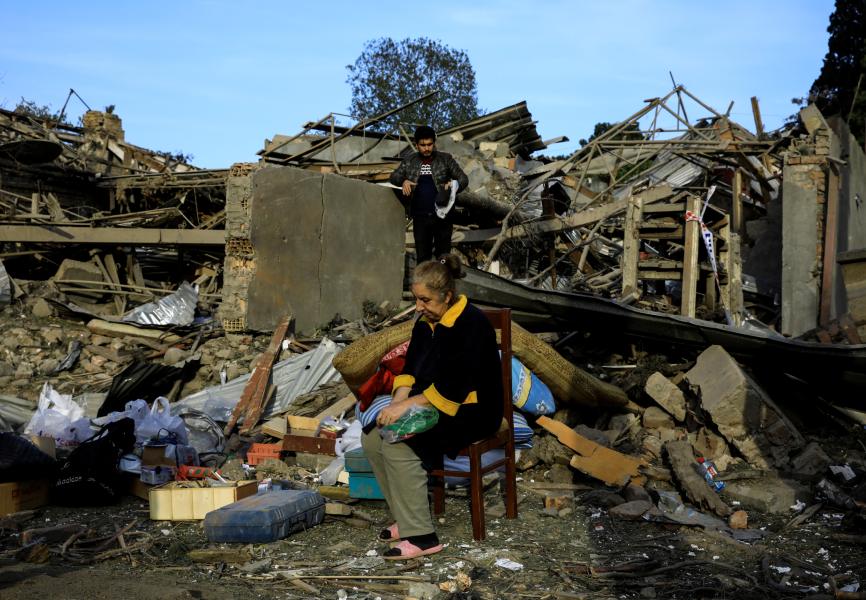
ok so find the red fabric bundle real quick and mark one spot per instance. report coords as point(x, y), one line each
point(382, 381)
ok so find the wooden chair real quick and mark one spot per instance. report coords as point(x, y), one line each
point(500, 318)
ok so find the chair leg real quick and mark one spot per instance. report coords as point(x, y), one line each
point(438, 486)
point(510, 484)
point(477, 495)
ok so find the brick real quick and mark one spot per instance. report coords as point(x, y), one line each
point(739, 520)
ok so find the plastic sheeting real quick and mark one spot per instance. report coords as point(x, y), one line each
point(292, 377)
point(177, 308)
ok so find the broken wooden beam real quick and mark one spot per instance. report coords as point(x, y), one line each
point(682, 460)
point(255, 394)
point(604, 464)
point(139, 236)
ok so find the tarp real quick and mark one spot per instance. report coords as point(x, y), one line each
point(292, 377)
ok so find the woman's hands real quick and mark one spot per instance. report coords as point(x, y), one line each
point(392, 412)
point(400, 403)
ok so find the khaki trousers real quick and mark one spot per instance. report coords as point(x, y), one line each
point(403, 480)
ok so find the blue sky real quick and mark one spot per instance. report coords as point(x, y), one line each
point(215, 78)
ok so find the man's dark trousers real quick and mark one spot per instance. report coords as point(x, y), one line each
point(432, 236)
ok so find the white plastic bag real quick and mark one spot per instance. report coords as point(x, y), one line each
point(350, 439)
point(329, 474)
point(59, 417)
point(159, 423)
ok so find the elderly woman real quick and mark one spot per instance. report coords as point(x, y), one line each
point(453, 365)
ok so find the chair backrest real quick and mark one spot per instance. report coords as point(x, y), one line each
point(500, 318)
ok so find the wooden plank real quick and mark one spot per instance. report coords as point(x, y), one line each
point(337, 408)
point(311, 445)
point(297, 422)
point(710, 297)
point(140, 236)
point(631, 245)
point(737, 202)
point(276, 427)
point(604, 464)
point(101, 327)
point(251, 402)
point(119, 301)
point(759, 123)
point(732, 289)
point(690, 261)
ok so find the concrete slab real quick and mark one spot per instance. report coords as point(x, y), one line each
point(743, 413)
point(769, 495)
point(323, 245)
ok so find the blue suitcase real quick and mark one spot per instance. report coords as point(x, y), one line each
point(265, 517)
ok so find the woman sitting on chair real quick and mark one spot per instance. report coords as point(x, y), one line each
point(453, 365)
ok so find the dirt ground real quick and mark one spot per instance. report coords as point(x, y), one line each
point(583, 552)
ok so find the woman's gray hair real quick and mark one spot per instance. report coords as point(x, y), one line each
point(440, 275)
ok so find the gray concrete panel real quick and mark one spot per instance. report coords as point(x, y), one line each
point(800, 281)
point(285, 230)
point(323, 245)
point(363, 243)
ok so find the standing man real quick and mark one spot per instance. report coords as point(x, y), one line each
point(422, 176)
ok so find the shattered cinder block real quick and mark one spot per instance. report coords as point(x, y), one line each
point(743, 413)
point(76, 270)
point(667, 395)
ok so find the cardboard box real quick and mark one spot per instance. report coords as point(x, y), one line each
point(185, 501)
point(136, 487)
point(168, 454)
point(16, 496)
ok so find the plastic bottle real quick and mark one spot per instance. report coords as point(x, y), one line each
point(709, 471)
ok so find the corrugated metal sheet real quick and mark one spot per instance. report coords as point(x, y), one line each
point(292, 377)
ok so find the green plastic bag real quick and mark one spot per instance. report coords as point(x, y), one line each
point(415, 420)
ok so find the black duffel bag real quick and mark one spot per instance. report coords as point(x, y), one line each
point(90, 475)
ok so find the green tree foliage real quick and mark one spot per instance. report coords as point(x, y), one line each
point(844, 66)
point(391, 73)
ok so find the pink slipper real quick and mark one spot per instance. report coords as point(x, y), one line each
point(389, 534)
point(406, 549)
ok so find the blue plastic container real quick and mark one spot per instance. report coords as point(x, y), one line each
point(265, 517)
point(356, 462)
point(364, 486)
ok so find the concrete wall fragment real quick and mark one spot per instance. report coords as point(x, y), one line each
point(312, 244)
point(743, 413)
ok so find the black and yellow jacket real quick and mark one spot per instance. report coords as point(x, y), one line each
point(455, 364)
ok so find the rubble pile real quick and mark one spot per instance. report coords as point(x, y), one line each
point(686, 294)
